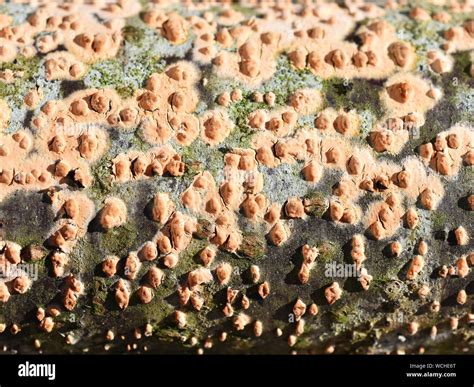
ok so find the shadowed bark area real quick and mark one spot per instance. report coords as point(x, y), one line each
point(361, 322)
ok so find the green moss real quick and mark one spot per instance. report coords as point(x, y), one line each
point(393, 289)
point(241, 135)
point(136, 61)
point(358, 336)
point(303, 343)
point(192, 169)
point(242, 344)
point(16, 90)
point(438, 220)
point(386, 274)
point(158, 309)
point(85, 255)
point(345, 315)
point(246, 11)
point(462, 98)
point(205, 228)
point(138, 143)
point(328, 251)
point(187, 260)
point(119, 240)
point(109, 74)
point(469, 173)
point(102, 183)
point(216, 85)
point(198, 324)
point(239, 265)
point(144, 4)
point(462, 64)
point(133, 34)
point(335, 91)
point(142, 65)
point(423, 33)
point(254, 245)
point(25, 235)
point(29, 66)
point(98, 295)
point(167, 333)
point(285, 82)
point(414, 235)
point(355, 94)
point(238, 111)
point(125, 75)
point(316, 203)
point(198, 156)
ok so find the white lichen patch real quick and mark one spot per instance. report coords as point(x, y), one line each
point(206, 167)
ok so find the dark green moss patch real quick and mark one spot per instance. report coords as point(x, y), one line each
point(133, 34)
point(316, 203)
point(119, 240)
point(205, 228)
point(198, 156)
point(25, 218)
point(344, 315)
point(254, 245)
point(329, 251)
point(98, 296)
point(101, 174)
point(438, 220)
point(358, 94)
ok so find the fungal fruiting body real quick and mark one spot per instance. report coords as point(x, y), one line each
point(192, 173)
